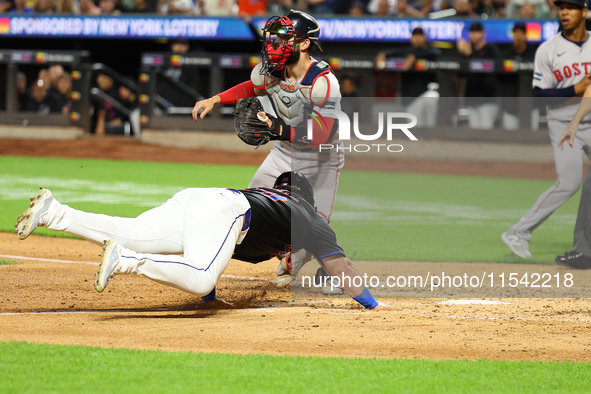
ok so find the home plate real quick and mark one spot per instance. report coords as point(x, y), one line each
point(473, 302)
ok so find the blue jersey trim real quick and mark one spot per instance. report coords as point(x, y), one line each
point(315, 70)
point(333, 253)
point(579, 43)
point(247, 219)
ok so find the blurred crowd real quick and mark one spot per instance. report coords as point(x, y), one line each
point(491, 99)
point(48, 92)
point(112, 105)
point(527, 9)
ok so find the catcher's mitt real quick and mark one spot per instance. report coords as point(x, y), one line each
point(250, 122)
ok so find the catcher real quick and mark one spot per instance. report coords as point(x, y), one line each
point(208, 226)
point(292, 87)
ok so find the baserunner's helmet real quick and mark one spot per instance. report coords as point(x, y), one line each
point(295, 182)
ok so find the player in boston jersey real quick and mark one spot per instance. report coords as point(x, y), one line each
point(580, 255)
point(293, 86)
point(562, 70)
point(208, 226)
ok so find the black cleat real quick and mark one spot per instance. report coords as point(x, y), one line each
point(574, 259)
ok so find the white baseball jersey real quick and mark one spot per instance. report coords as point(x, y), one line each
point(560, 63)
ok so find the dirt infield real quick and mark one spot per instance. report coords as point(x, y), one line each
point(50, 298)
point(53, 302)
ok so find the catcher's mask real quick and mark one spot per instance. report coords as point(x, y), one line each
point(295, 182)
point(279, 38)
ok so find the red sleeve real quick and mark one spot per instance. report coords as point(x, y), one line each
point(322, 133)
point(242, 90)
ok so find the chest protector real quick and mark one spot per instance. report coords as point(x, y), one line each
point(290, 100)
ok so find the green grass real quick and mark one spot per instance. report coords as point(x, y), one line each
point(378, 216)
point(420, 217)
point(8, 262)
point(120, 188)
point(36, 368)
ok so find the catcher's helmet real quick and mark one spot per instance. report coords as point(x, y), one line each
point(278, 32)
point(295, 182)
point(305, 26)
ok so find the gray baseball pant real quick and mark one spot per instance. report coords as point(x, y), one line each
point(582, 234)
point(569, 170)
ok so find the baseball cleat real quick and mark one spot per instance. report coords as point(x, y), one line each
point(574, 259)
point(109, 265)
point(328, 288)
point(284, 267)
point(283, 280)
point(34, 215)
point(517, 245)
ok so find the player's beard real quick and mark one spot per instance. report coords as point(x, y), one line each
point(295, 56)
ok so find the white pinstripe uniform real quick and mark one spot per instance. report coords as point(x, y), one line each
point(560, 63)
point(202, 224)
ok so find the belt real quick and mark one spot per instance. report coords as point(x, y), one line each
point(247, 214)
point(247, 217)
